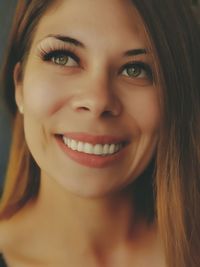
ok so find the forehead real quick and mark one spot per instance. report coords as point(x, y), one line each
point(92, 20)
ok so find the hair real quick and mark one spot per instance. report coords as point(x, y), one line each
point(175, 39)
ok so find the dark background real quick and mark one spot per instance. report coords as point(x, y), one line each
point(6, 14)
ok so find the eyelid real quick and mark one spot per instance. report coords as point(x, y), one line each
point(137, 62)
point(46, 56)
point(51, 45)
point(48, 50)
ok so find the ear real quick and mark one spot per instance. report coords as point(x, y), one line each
point(18, 87)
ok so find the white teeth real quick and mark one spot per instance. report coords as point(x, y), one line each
point(66, 141)
point(73, 145)
point(88, 148)
point(105, 149)
point(98, 149)
point(80, 146)
point(112, 149)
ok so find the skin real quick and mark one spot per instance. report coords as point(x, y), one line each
point(86, 212)
point(90, 97)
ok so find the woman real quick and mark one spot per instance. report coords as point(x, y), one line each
point(104, 163)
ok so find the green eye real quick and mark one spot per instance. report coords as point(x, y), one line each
point(137, 70)
point(60, 59)
point(133, 71)
point(64, 60)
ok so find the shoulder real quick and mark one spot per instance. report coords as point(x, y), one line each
point(4, 235)
point(14, 230)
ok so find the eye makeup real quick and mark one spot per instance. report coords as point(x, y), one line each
point(57, 52)
point(52, 48)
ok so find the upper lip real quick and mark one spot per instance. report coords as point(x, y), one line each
point(96, 139)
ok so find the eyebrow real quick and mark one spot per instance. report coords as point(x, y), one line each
point(67, 39)
point(70, 40)
point(135, 52)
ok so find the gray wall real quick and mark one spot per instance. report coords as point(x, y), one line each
point(6, 14)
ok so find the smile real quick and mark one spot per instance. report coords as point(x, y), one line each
point(93, 149)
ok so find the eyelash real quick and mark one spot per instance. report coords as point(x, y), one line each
point(48, 55)
point(142, 67)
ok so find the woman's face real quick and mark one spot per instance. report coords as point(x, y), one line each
point(91, 110)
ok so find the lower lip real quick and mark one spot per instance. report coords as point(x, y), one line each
point(93, 161)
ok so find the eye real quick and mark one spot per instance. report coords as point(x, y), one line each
point(62, 58)
point(137, 70)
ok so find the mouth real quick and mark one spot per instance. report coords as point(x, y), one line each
point(88, 148)
point(93, 151)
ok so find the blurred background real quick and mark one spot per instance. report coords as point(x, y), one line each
point(6, 13)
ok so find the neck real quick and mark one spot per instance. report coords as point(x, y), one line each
point(97, 218)
point(101, 231)
point(96, 226)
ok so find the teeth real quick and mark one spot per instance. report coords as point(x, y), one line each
point(80, 146)
point(105, 149)
point(88, 148)
point(73, 145)
point(68, 142)
point(98, 149)
point(112, 149)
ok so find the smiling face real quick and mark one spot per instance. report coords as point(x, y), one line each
point(88, 86)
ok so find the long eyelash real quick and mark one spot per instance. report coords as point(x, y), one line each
point(48, 55)
point(48, 52)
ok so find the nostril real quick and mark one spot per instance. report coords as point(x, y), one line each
point(83, 108)
point(98, 105)
point(107, 113)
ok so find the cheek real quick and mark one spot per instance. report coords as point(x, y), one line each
point(42, 94)
point(143, 107)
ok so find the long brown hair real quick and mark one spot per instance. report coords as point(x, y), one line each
point(175, 39)
point(22, 176)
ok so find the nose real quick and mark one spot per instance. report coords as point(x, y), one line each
point(97, 97)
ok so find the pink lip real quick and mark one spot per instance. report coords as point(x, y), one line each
point(92, 161)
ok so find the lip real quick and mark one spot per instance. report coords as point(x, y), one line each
point(89, 160)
